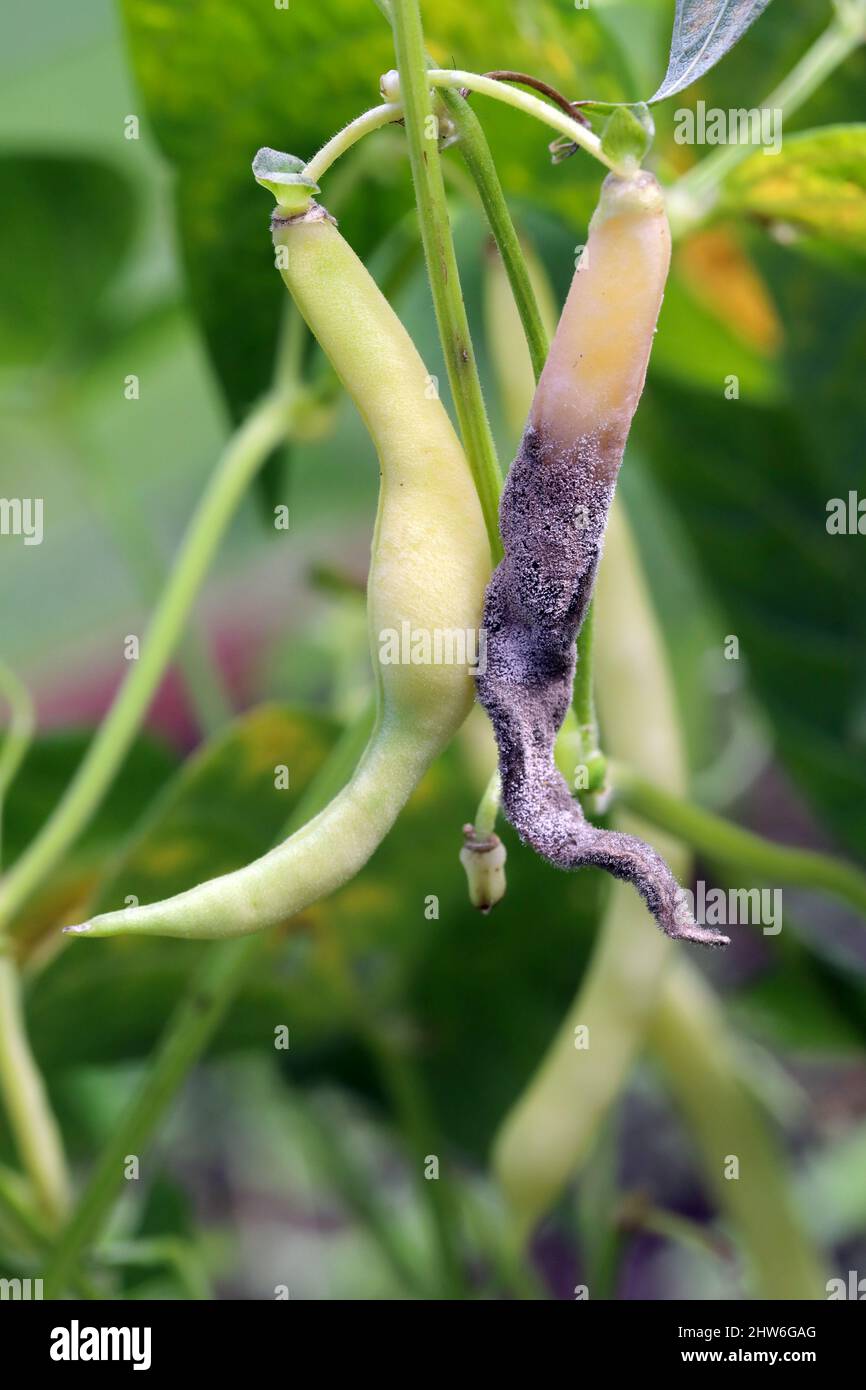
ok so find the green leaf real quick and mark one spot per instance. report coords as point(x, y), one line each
point(628, 134)
point(448, 982)
point(67, 227)
point(283, 175)
point(218, 82)
point(816, 185)
point(704, 31)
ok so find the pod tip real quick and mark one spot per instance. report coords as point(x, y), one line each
point(95, 927)
point(285, 176)
point(639, 193)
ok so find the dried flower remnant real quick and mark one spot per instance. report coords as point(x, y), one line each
point(553, 516)
point(483, 857)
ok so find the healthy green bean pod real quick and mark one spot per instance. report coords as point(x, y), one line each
point(430, 563)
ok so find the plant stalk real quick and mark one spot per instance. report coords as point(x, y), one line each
point(723, 842)
point(442, 264)
point(526, 102)
point(689, 1036)
point(205, 1003)
point(330, 152)
point(19, 734)
point(243, 456)
point(37, 1135)
point(187, 1034)
point(473, 146)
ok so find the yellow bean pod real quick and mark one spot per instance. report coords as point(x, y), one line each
point(430, 563)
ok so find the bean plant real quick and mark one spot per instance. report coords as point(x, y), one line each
point(484, 264)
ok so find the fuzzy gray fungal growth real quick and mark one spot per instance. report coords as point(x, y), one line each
point(553, 515)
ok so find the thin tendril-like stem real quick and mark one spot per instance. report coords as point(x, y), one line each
point(207, 999)
point(373, 119)
point(723, 842)
point(19, 733)
point(243, 456)
point(442, 267)
point(529, 104)
point(37, 1136)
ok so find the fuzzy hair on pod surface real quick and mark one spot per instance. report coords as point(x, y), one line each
point(553, 516)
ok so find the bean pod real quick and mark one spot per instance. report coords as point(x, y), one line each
point(553, 515)
point(430, 563)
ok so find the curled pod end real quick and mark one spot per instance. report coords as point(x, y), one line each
point(683, 926)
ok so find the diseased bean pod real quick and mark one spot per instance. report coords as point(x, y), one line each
point(553, 515)
point(430, 563)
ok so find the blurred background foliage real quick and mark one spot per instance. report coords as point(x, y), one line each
point(151, 257)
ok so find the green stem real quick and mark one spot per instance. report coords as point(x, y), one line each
point(19, 734)
point(16, 1204)
point(201, 681)
point(509, 1264)
point(177, 1254)
point(721, 841)
point(187, 1034)
point(442, 266)
point(526, 102)
point(245, 453)
point(695, 195)
point(133, 539)
point(409, 1102)
point(475, 150)
point(186, 1037)
point(691, 1235)
point(488, 807)
point(30, 1116)
point(583, 699)
point(690, 1039)
point(373, 119)
point(334, 1157)
point(30, 1228)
